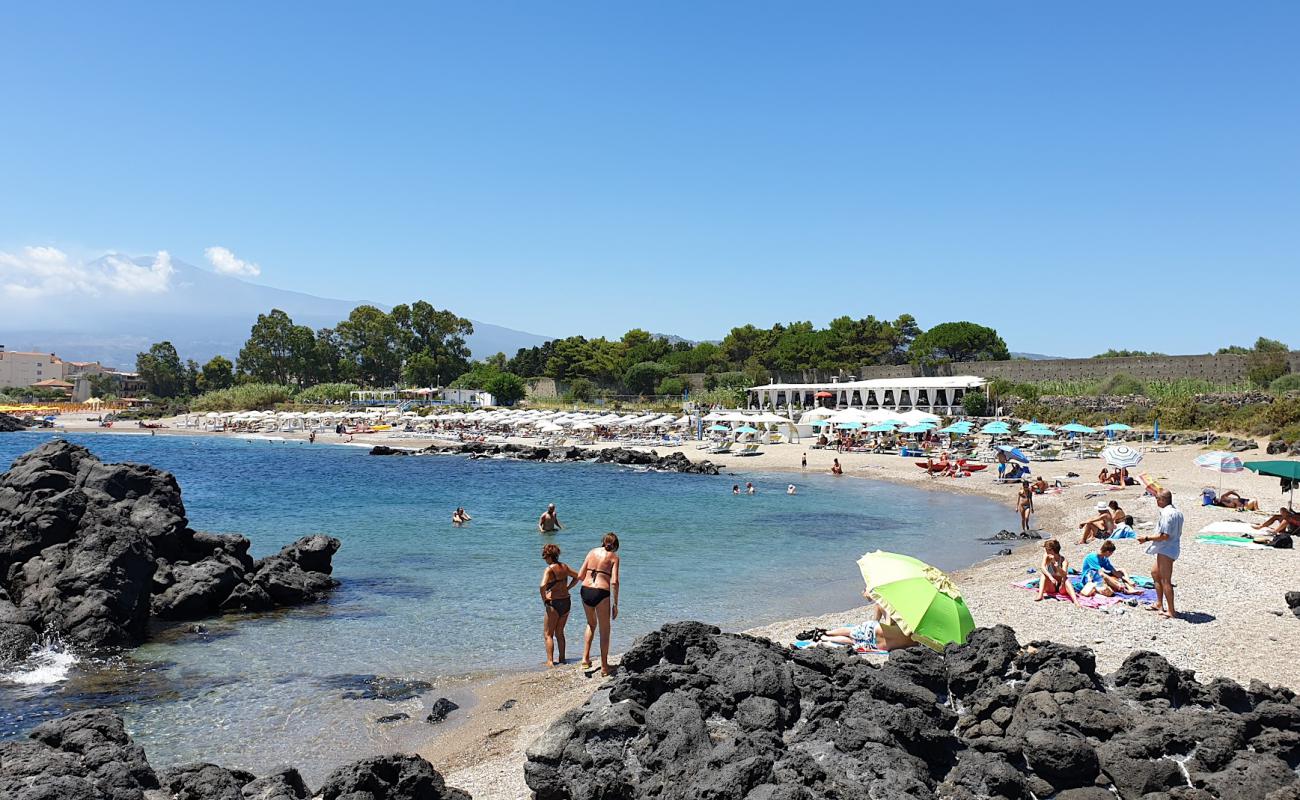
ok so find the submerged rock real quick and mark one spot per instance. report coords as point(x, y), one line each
point(91, 551)
point(88, 756)
point(441, 709)
point(695, 712)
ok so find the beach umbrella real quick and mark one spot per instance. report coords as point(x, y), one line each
point(819, 423)
point(1289, 470)
point(718, 428)
point(1075, 427)
point(1116, 426)
point(883, 427)
point(960, 428)
point(1220, 462)
point(920, 599)
point(1122, 456)
point(1014, 452)
point(919, 428)
point(1040, 431)
point(747, 429)
point(852, 424)
point(823, 395)
point(996, 428)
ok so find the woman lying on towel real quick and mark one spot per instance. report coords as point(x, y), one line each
point(877, 633)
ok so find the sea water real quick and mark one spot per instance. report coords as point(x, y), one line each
point(422, 600)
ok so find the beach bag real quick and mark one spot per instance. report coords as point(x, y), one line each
point(1282, 541)
point(1207, 497)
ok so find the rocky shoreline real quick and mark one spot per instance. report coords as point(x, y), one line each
point(92, 552)
point(694, 712)
point(11, 424)
point(673, 462)
point(89, 756)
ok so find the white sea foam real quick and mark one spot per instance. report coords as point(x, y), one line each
point(49, 663)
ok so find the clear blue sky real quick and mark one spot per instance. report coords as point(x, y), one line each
point(1078, 175)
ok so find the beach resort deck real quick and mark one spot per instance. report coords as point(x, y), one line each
point(942, 395)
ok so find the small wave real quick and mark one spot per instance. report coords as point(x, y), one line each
point(49, 662)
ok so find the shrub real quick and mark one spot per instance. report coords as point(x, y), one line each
point(1286, 383)
point(975, 404)
point(326, 393)
point(581, 389)
point(671, 386)
point(1121, 383)
point(247, 397)
point(506, 388)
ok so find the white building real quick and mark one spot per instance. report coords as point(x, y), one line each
point(22, 370)
point(468, 397)
point(936, 395)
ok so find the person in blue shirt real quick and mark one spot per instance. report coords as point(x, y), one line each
point(1101, 577)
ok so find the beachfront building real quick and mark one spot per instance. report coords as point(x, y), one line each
point(22, 370)
point(941, 396)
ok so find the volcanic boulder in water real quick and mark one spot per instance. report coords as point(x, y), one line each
point(88, 755)
point(698, 713)
point(11, 424)
point(90, 551)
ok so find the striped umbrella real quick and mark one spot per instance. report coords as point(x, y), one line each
point(1220, 461)
point(1121, 455)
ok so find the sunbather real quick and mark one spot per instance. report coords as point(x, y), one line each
point(877, 633)
point(1101, 577)
point(1284, 521)
point(1100, 526)
point(1124, 530)
point(1040, 485)
point(1054, 577)
point(1233, 499)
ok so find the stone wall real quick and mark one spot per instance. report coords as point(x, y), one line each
point(1218, 369)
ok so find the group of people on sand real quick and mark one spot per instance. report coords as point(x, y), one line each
point(1115, 477)
point(1099, 576)
point(598, 577)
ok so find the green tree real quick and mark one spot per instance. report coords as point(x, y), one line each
point(217, 374)
point(191, 378)
point(581, 389)
point(1113, 353)
point(372, 346)
point(433, 338)
point(672, 385)
point(103, 386)
point(644, 377)
point(161, 370)
point(1267, 362)
point(499, 362)
point(975, 404)
point(506, 388)
point(278, 351)
point(958, 341)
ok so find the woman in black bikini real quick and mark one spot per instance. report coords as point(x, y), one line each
point(557, 579)
point(599, 576)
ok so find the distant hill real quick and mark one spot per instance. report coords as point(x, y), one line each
point(203, 314)
point(1036, 357)
point(674, 339)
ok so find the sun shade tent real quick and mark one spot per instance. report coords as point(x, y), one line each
point(920, 599)
point(1290, 470)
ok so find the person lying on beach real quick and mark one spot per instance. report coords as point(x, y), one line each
point(1284, 521)
point(460, 517)
point(548, 522)
point(877, 633)
point(1101, 577)
point(1233, 499)
point(1054, 573)
point(557, 579)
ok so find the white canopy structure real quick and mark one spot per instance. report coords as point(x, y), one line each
point(939, 395)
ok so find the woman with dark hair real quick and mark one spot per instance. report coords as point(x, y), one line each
point(557, 579)
point(599, 576)
point(1025, 505)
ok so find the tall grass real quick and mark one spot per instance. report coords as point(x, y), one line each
point(247, 397)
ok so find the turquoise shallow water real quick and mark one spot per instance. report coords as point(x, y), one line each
point(421, 599)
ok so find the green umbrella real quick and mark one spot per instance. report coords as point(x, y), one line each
point(920, 599)
point(1278, 469)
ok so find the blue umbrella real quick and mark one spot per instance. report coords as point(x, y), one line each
point(853, 425)
point(747, 429)
point(920, 428)
point(1014, 452)
point(961, 428)
point(719, 428)
point(883, 427)
point(1116, 426)
point(1075, 427)
point(1155, 432)
point(819, 423)
point(996, 428)
point(1039, 432)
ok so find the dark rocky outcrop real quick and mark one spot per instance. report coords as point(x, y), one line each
point(11, 424)
point(697, 713)
point(673, 462)
point(91, 551)
point(441, 709)
point(88, 756)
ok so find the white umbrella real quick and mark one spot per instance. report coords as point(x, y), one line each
point(1122, 456)
point(1220, 461)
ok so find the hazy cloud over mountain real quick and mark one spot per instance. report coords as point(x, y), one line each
point(225, 263)
point(38, 272)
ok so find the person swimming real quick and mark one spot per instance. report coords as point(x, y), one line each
point(557, 579)
point(549, 522)
point(836, 469)
point(749, 488)
point(599, 576)
point(460, 517)
point(791, 490)
point(735, 488)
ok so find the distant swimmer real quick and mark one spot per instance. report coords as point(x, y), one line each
point(460, 517)
point(549, 522)
point(791, 490)
point(749, 488)
point(735, 488)
point(803, 463)
point(836, 469)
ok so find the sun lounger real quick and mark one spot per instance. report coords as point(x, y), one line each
point(725, 447)
point(750, 449)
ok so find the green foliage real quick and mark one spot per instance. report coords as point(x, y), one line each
point(724, 396)
point(642, 378)
point(323, 393)
point(217, 374)
point(975, 404)
point(1113, 353)
point(1265, 366)
point(1286, 383)
point(278, 351)
point(103, 386)
point(671, 386)
point(958, 341)
point(1233, 350)
point(581, 389)
point(246, 397)
point(476, 377)
point(506, 388)
point(1121, 384)
point(161, 370)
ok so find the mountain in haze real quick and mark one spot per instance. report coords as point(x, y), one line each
point(202, 313)
point(1036, 357)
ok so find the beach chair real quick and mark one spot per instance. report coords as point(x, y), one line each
point(725, 447)
point(750, 449)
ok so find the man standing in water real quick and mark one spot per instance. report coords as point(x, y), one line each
point(1165, 547)
point(549, 522)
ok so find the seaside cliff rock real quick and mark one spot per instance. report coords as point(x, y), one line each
point(88, 755)
point(697, 713)
point(673, 462)
point(11, 424)
point(89, 551)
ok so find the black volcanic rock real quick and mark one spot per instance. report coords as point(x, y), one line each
point(694, 712)
point(91, 551)
point(88, 756)
point(11, 424)
point(673, 462)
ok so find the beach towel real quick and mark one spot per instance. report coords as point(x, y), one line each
point(1231, 527)
point(1147, 596)
point(859, 648)
point(1230, 541)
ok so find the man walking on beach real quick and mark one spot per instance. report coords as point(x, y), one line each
point(1165, 547)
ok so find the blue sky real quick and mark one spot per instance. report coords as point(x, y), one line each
point(1079, 176)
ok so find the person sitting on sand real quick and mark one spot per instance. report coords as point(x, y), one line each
point(836, 469)
point(1233, 499)
point(1101, 577)
point(557, 579)
point(1103, 477)
point(1054, 573)
point(460, 517)
point(1284, 521)
point(1039, 486)
point(1100, 526)
point(877, 633)
point(1124, 530)
point(548, 522)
